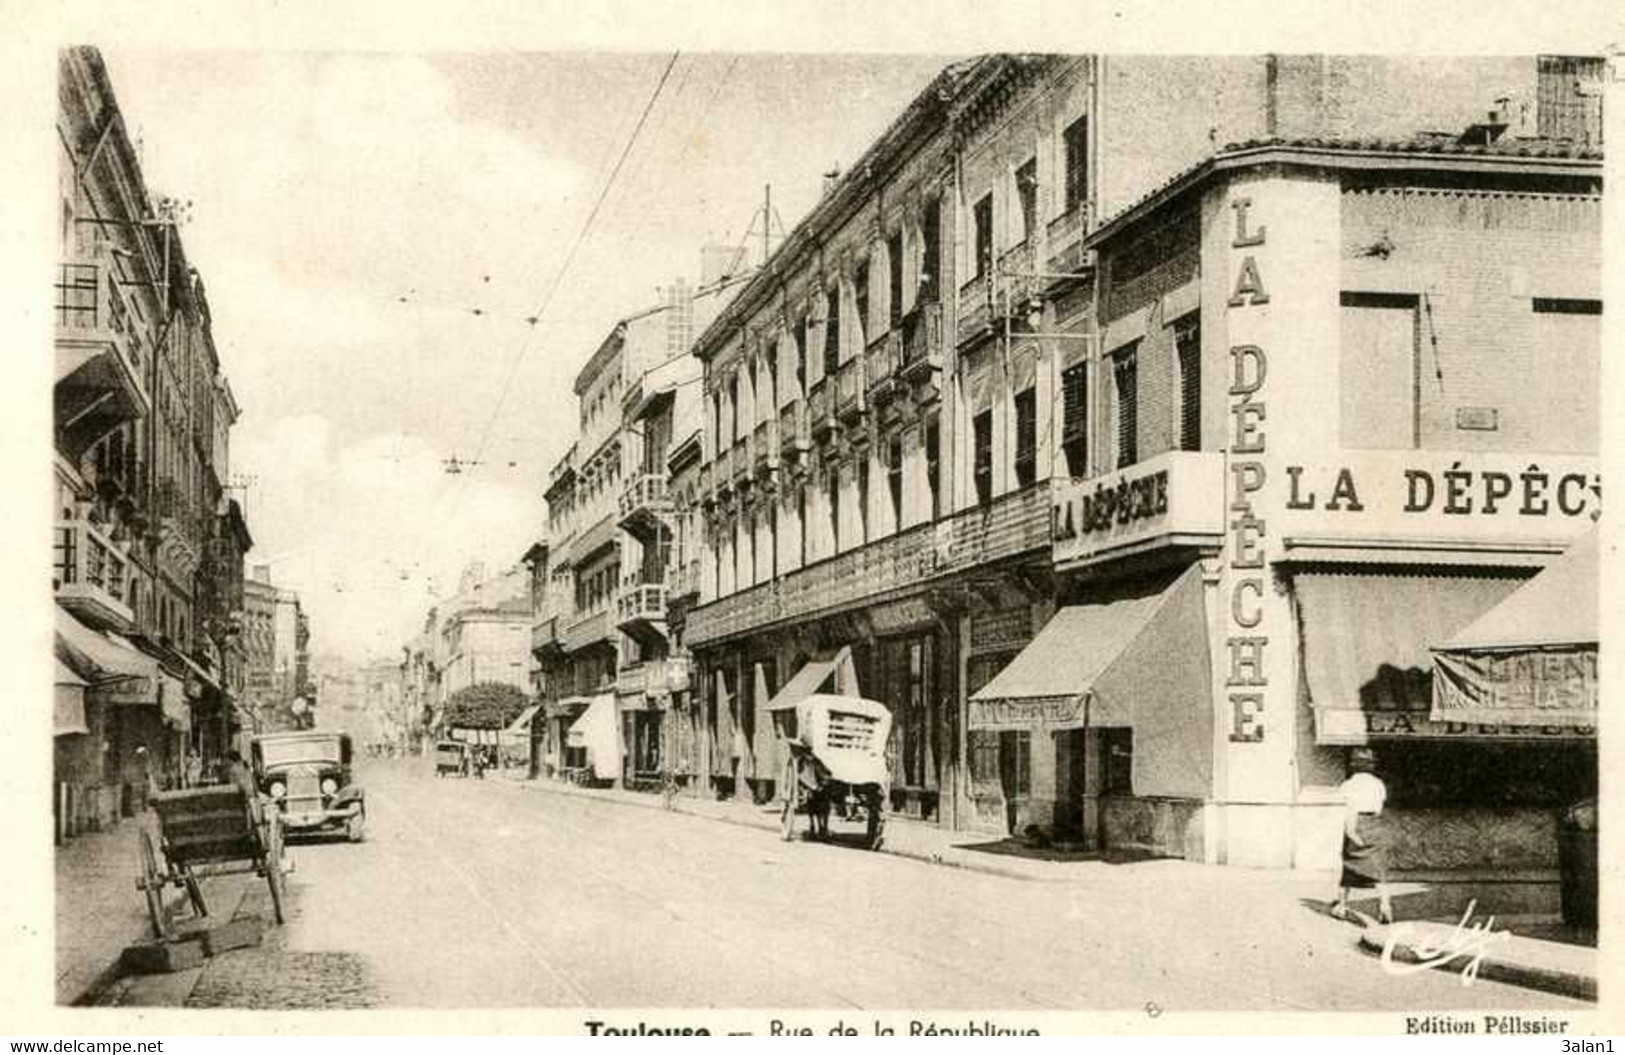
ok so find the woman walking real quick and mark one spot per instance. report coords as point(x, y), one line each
point(1364, 860)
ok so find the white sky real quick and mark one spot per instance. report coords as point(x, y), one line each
point(326, 186)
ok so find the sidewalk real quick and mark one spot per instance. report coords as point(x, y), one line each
point(1498, 955)
point(98, 908)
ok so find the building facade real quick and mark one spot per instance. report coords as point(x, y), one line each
point(146, 563)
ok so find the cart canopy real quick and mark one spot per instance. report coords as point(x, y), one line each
point(847, 734)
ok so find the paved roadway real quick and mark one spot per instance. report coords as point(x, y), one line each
point(493, 894)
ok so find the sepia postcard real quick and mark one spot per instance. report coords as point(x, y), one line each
point(684, 528)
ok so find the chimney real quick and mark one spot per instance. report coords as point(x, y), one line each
point(831, 179)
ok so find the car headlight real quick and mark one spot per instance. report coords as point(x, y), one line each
point(278, 789)
point(330, 786)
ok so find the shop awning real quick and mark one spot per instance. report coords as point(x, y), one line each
point(1137, 658)
point(521, 725)
point(598, 730)
point(1366, 638)
point(567, 706)
point(70, 701)
point(114, 669)
point(1532, 659)
point(807, 680)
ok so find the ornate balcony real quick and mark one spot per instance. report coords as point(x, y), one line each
point(640, 608)
point(100, 362)
point(722, 472)
point(1016, 282)
point(821, 408)
point(765, 450)
point(794, 435)
point(922, 346)
point(1066, 231)
point(645, 505)
point(851, 401)
point(741, 466)
point(684, 581)
point(545, 638)
point(883, 365)
point(92, 575)
point(1013, 525)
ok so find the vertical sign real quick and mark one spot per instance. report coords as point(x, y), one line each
point(1246, 677)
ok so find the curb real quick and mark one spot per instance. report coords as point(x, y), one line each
point(1526, 975)
point(679, 806)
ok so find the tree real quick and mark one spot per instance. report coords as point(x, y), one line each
point(485, 705)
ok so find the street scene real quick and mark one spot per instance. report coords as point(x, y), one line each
point(1032, 531)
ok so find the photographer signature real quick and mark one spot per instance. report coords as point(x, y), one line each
point(1465, 939)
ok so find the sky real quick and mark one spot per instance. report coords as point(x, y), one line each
point(350, 213)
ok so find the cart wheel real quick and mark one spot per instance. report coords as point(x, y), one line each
point(152, 884)
point(194, 892)
point(273, 867)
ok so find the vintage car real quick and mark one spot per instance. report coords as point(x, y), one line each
point(307, 776)
point(455, 758)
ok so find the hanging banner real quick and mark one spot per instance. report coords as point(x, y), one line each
point(1549, 687)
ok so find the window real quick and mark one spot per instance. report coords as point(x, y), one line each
point(1126, 378)
point(894, 279)
point(801, 521)
point(931, 254)
point(894, 479)
point(834, 501)
point(801, 356)
point(1026, 437)
point(1117, 761)
point(1027, 195)
point(733, 408)
point(982, 440)
point(982, 221)
point(747, 546)
point(863, 500)
point(1075, 419)
point(1076, 145)
point(860, 295)
point(933, 466)
point(1188, 342)
point(832, 331)
point(772, 544)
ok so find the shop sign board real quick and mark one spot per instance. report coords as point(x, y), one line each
point(1170, 497)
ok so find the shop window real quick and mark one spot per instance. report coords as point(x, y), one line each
point(1188, 342)
point(1075, 419)
point(1027, 195)
point(982, 222)
point(1487, 774)
point(982, 462)
point(1026, 437)
point(1126, 381)
point(1117, 761)
point(1076, 145)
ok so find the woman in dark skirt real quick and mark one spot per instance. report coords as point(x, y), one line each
point(1364, 859)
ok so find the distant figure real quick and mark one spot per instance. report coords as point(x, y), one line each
point(192, 775)
point(1364, 858)
point(149, 772)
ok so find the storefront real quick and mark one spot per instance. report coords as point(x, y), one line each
point(1103, 724)
point(1476, 691)
point(594, 740)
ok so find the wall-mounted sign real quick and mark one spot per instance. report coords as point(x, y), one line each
point(1180, 493)
point(1056, 712)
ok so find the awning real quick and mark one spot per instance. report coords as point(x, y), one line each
point(1532, 659)
point(569, 705)
point(808, 680)
point(70, 702)
point(521, 724)
point(1366, 638)
point(598, 730)
point(1138, 659)
point(115, 670)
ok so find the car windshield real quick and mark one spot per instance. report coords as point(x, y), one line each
point(299, 749)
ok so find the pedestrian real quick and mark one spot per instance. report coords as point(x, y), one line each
point(193, 774)
point(1364, 858)
point(149, 773)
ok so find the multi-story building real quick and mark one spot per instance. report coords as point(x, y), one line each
point(971, 451)
point(143, 414)
point(605, 665)
point(479, 633)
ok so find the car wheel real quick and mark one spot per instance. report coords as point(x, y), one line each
point(356, 830)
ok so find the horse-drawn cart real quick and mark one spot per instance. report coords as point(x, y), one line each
point(209, 831)
point(836, 764)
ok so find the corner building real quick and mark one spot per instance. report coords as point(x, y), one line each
point(1100, 508)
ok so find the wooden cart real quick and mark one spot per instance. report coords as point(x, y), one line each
point(209, 831)
point(835, 763)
